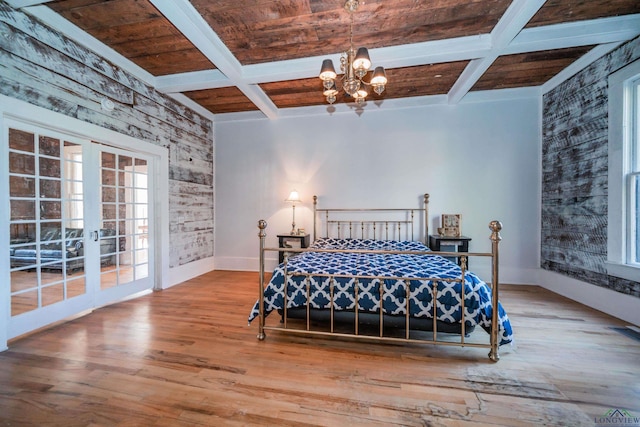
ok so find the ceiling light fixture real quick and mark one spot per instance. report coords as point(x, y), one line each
point(355, 65)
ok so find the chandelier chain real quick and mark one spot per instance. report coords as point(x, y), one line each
point(351, 32)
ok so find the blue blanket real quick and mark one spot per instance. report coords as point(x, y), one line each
point(389, 270)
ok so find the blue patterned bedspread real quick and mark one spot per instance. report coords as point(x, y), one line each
point(478, 306)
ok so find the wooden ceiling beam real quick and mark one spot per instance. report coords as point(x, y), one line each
point(292, 69)
point(572, 34)
point(190, 23)
point(188, 102)
point(510, 25)
point(583, 62)
point(432, 52)
point(475, 47)
point(196, 80)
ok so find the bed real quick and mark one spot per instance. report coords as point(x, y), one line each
point(372, 279)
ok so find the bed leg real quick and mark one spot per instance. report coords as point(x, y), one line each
point(494, 355)
point(262, 225)
point(495, 227)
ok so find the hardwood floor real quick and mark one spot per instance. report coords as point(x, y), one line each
point(185, 356)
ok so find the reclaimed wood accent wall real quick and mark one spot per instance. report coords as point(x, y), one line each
point(575, 173)
point(42, 67)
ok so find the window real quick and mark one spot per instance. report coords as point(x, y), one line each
point(624, 173)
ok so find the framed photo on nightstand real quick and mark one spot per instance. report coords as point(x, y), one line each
point(451, 224)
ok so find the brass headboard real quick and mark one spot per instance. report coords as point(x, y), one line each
point(378, 229)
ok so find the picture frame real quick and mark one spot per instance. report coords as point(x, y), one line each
point(451, 224)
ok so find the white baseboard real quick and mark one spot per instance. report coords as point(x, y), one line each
point(188, 271)
point(624, 307)
point(511, 276)
point(243, 264)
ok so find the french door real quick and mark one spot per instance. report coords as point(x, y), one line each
point(80, 225)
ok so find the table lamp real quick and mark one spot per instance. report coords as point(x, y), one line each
point(293, 199)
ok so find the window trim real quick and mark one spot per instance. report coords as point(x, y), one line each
point(620, 133)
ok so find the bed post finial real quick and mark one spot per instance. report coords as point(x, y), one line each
point(262, 225)
point(495, 227)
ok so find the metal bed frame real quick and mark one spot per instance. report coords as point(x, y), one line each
point(394, 226)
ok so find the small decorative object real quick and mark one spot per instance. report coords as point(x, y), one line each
point(441, 231)
point(301, 232)
point(293, 198)
point(451, 225)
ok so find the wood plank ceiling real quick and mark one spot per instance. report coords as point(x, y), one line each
point(231, 56)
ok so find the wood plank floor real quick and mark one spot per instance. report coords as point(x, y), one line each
point(186, 357)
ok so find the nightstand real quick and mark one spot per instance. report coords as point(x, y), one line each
point(450, 244)
point(292, 241)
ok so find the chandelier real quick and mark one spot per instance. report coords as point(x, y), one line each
point(355, 65)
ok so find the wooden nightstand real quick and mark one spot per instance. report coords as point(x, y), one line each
point(450, 244)
point(292, 241)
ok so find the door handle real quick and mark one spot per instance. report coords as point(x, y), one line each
point(95, 235)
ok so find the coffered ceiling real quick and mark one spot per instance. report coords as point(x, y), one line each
point(262, 57)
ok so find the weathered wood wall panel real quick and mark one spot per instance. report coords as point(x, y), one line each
point(95, 62)
point(195, 202)
point(45, 68)
point(575, 174)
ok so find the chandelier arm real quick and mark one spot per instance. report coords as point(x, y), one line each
point(342, 77)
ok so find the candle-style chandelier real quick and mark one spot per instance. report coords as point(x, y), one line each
point(355, 65)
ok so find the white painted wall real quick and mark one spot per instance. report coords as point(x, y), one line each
point(477, 159)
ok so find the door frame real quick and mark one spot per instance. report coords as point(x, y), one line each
point(22, 111)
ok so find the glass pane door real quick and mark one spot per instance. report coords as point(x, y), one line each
point(46, 246)
point(80, 230)
point(124, 230)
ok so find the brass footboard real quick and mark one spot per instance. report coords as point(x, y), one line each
point(493, 344)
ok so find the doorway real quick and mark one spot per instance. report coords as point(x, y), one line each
point(81, 228)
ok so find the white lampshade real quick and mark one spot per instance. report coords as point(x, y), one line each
point(293, 197)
